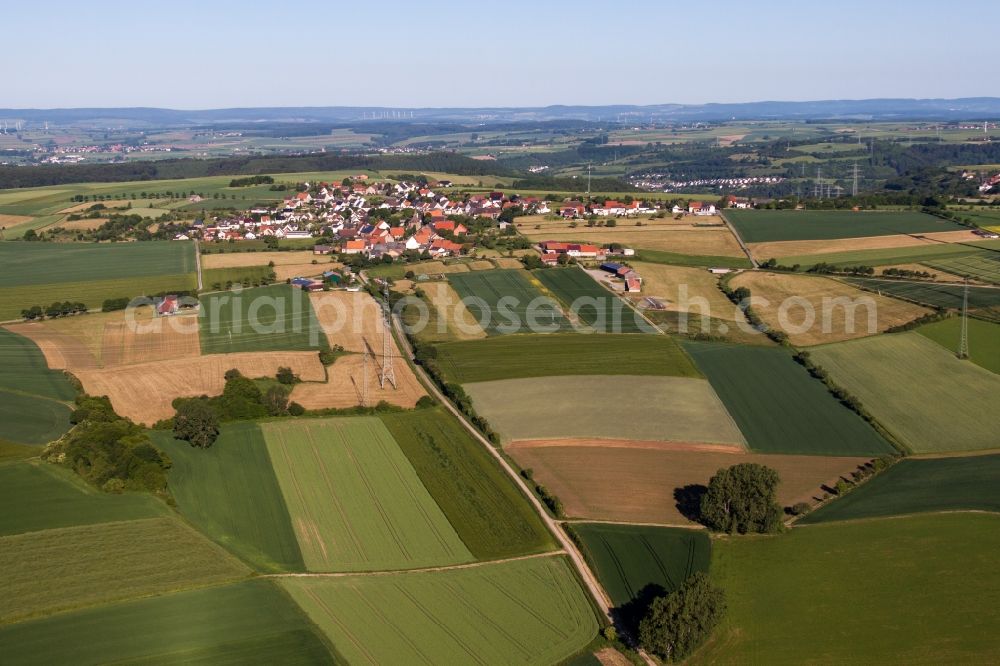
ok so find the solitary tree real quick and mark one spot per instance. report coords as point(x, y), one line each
point(196, 423)
point(742, 499)
point(677, 624)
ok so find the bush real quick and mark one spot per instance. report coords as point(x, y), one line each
point(295, 409)
point(742, 499)
point(286, 376)
point(800, 509)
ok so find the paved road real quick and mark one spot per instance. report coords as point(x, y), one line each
point(593, 587)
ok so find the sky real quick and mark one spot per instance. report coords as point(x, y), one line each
point(213, 54)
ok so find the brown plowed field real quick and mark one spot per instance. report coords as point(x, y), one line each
point(143, 392)
point(346, 385)
point(637, 484)
point(778, 249)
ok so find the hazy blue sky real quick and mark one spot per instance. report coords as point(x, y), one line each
point(185, 54)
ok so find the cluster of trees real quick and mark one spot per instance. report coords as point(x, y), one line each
point(57, 309)
point(675, 625)
point(742, 499)
point(252, 180)
point(553, 503)
point(907, 273)
point(109, 451)
point(197, 419)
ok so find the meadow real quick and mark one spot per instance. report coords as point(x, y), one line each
point(502, 298)
point(25, 264)
point(91, 293)
point(921, 393)
point(230, 492)
point(594, 406)
point(779, 407)
point(628, 558)
point(984, 339)
point(813, 310)
point(680, 259)
point(58, 498)
point(522, 356)
point(355, 501)
point(983, 266)
point(487, 511)
point(23, 368)
point(964, 483)
point(984, 302)
point(31, 419)
point(251, 622)
point(528, 611)
point(275, 318)
point(865, 592)
point(219, 278)
point(58, 569)
point(591, 304)
point(589, 475)
point(759, 226)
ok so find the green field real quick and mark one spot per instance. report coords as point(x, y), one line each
point(762, 226)
point(921, 589)
point(983, 266)
point(920, 392)
point(23, 264)
point(628, 558)
point(23, 368)
point(486, 509)
point(984, 339)
point(611, 407)
point(779, 407)
point(984, 302)
point(30, 419)
point(230, 492)
point(512, 357)
point(55, 570)
point(251, 622)
point(275, 318)
point(49, 497)
point(355, 501)
point(921, 485)
point(673, 258)
point(501, 300)
point(891, 255)
point(91, 293)
point(592, 304)
point(525, 612)
point(223, 276)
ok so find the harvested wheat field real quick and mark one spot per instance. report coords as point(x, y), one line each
point(81, 225)
point(508, 262)
point(710, 240)
point(87, 204)
point(451, 320)
point(778, 249)
point(589, 479)
point(240, 259)
point(13, 220)
point(683, 289)
point(436, 267)
point(288, 271)
point(811, 310)
point(143, 392)
point(345, 386)
point(481, 265)
point(349, 318)
point(104, 340)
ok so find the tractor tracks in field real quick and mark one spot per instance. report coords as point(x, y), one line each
point(396, 572)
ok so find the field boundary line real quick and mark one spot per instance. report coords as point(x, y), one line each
point(739, 239)
point(398, 572)
point(914, 514)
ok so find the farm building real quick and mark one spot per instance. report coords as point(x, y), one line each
point(322, 249)
point(166, 306)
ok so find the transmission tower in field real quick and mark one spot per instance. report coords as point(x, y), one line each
point(364, 375)
point(854, 183)
point(963, 342)
point(388, 374)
